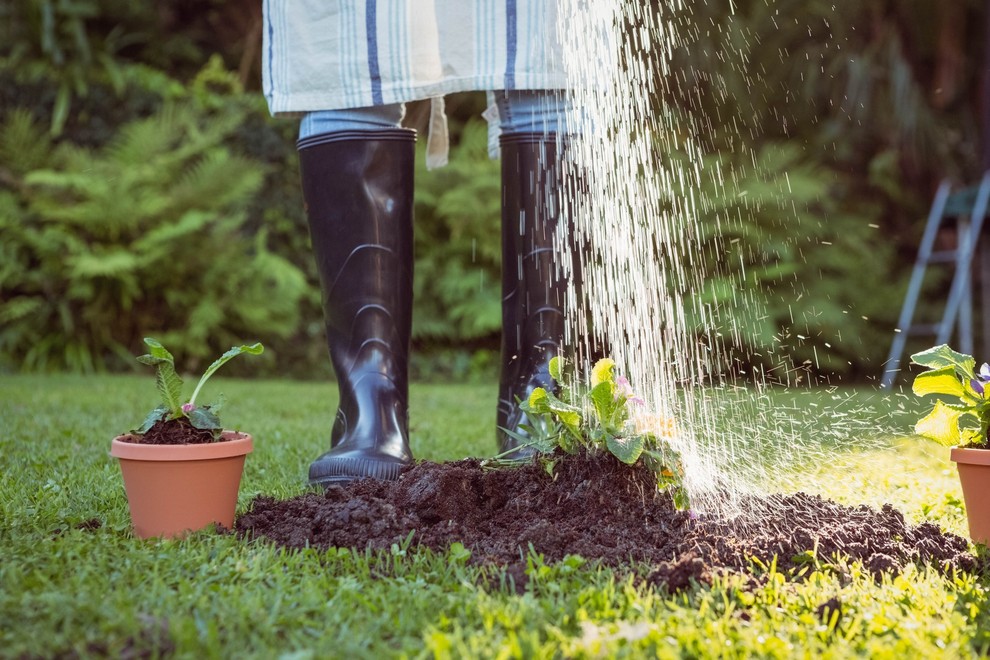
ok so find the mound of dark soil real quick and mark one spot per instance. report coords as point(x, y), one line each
point(596, 507)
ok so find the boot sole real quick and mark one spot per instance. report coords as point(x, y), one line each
point(346, 470)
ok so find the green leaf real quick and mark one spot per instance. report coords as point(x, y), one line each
point(569, 442)
point(941, 424)
point(559, 407)
point(570, 419)
point(939, 381)
point(523, 440)
point(168, 381)
point(157, 415)
point(63, 100)
point(217, 405)
point(253, 349)
point(540, 437)
point(557, 368)
point(568, 415)
point(680, 496)
point(974, 437)
point(942, 356)
point(602, 398)
point(157, 350)
point(458, 553)
point(203, 418)
point(627, 449)
point(537, 402)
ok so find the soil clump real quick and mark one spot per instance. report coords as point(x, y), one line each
point(594, 506)
point(175, 432)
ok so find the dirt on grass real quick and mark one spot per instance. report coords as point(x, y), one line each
point(599, 508)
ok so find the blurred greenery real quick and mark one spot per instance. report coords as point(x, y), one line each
point(458, 249)
point(834, 124)
point(91, 239)
point(856, 111)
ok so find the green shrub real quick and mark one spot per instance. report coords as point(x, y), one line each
point(874, 118)
point(782, 249)
point(458, 244)
point(100, 247)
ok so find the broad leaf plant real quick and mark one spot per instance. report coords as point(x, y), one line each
point(598, 418)
point(953, 374)
point(170, 387)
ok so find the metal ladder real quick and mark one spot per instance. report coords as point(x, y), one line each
point(970, 207)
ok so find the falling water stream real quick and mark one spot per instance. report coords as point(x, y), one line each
point(647, 242)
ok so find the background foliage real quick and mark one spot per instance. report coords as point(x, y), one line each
point(144, 235)
point(458, 249)
point(856, 111)
point(834, 123)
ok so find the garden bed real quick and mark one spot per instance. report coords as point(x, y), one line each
point(598, 508)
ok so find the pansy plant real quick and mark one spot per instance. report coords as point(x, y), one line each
point(601, 417)
point(954, 374)
point(170, 387)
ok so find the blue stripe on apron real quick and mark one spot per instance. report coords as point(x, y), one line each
point(271, 55)
point(510, 44)
point(374, 72)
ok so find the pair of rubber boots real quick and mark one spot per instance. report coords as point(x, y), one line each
point(358, 190)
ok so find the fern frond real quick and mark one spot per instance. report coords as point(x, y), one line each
point(11, 213)
point(115, 228)
point(216, 180)
point(272, 293)
point(166, 238)
point(18, 308)
point(112, 262)
point(140, 141)
point(24, 144)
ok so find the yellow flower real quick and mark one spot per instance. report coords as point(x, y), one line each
point(602, 371)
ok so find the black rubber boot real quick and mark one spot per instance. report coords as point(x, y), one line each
point(532, 291)
point(358, 188)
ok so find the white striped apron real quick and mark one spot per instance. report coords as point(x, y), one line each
point(331, 54)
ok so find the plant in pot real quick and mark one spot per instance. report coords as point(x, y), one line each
point(963, 426)
point(181, 469)
point(603, 416)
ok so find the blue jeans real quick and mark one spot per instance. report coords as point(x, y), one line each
point(519, 111)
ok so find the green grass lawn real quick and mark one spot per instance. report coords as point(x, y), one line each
point(69, 586)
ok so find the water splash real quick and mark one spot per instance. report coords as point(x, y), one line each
point(647, 246)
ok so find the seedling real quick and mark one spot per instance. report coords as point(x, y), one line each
point(599, 418)
point(170, 387)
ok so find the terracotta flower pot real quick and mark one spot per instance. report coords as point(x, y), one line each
point(974, 474)
point(176, 489)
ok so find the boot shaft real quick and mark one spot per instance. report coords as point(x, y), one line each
point(532, 289)
point(358, 188)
